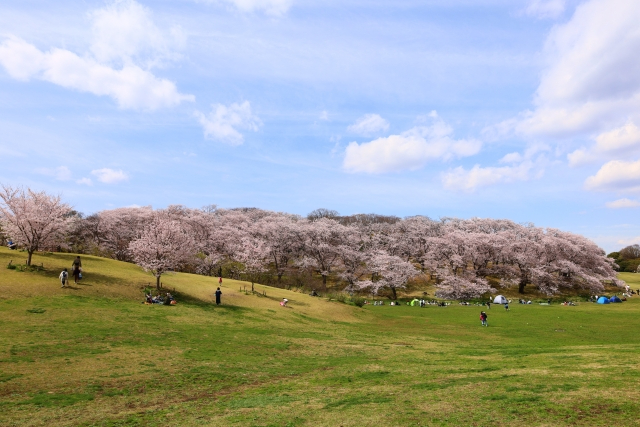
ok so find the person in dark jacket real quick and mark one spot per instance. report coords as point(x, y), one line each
point(218, 293)
point(76, 269)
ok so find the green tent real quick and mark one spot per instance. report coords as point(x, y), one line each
point(414, 301)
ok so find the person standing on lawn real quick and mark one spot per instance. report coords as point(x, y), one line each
point(76, 269)
point(64, 276)
point(483, 318)
point(218, 293)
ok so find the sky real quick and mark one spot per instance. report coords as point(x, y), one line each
point(527, 110)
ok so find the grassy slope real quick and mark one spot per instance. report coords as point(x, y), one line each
point(93, 355)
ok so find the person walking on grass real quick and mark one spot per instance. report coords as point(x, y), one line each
point(489, 304)
point(64, 276)
point(483, 318)
point(220, 281)
point(506, 307)
point(76, 269)
point(218, 293)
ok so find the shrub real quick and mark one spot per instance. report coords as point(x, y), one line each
point(356, 300)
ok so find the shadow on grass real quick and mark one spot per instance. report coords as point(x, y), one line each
point(190, 300)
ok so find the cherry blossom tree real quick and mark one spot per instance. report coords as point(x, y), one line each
point(208, 265)
point(115, 229)
point(463, 255)
point(461, 288)
point(34, 220)
point(279, 232)
point(254, 257)
point(163, 245)
point(320, 239)
point(388, 271)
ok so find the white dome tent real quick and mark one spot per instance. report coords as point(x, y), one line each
point(500, 300)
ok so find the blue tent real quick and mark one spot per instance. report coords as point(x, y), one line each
point(603, 300)
point(615, 299)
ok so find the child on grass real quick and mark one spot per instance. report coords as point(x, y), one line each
point(64, 275)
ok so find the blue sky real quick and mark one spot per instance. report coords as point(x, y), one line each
point(527, 110)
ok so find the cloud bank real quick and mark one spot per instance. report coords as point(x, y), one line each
point(223, 122)
point(368, 125)
point(409, 150)
point(620, 142)
point(545, 9)
point(622, 204)
point(592, 80)
point(270, 7)
point(125, 44)
point(616, 175)
point(108, 176)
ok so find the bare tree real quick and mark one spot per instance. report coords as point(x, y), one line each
point(322, 213)
point(630, 252)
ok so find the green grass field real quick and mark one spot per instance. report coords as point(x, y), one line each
point(94, 355)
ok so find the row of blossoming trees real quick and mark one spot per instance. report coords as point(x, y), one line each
point(465, 258)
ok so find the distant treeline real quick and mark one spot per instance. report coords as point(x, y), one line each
point(627, 259)
point(360, 253)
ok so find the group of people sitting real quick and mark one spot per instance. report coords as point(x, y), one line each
point(422, 303)
point(523, 301)
point(167, 299)
point(11, 245)
point(394, 303)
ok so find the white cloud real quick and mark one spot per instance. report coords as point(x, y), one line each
point(619, 139)
point(270, 7)
point(522, 167)
point(223, 122)
point(461, 179)
point(592, 80)
point(511, 158)
point(125, 44)
point(61, 173)
point(623, 142)
point(84, 181)
point(124, 33)
point(324, 115)
point(545, 9)
point(109, 176)
point(368, 125)
point(408, 151)
point(616, 175)
point(623, 203)
point(581, 156)
point(21, 60)
point(629, 241)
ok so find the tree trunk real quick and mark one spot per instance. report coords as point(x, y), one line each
point(252, 286)
point(521, 286)
point(324, 280)
point(393, 291)
point(30, 253)
point(158, 282)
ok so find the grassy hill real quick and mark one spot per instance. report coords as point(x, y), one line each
point(94, 355)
